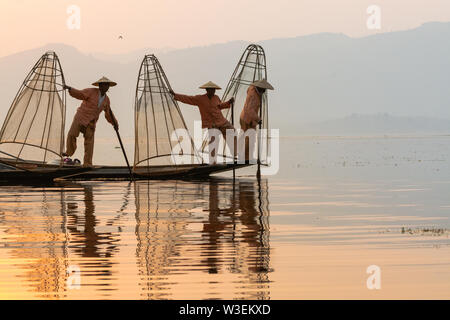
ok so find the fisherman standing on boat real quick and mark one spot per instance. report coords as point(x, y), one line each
point(250, 115)
point(210, 108)
point(94, 102)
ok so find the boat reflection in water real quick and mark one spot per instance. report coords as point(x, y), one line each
point(182, 240)
point(89, 238)
point(48, 234)
point(216, 228)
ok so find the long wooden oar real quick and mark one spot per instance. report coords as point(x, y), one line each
point(121, 146)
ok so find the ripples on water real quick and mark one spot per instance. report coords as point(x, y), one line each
point(208, 239)
point(336, 207)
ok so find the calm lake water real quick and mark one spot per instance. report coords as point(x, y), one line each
point(336, 207)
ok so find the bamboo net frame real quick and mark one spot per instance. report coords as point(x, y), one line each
point(33, 129)
point(157, 117)
point(250, 68)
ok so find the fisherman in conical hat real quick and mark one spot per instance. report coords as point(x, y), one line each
point(250, 115)
point(210, 107)
point(94, 102)
point(250, 118)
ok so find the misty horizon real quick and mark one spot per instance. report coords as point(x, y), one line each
point(370, 75)
point(167, 49)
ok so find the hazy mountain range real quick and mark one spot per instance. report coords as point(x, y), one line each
point(320, 79)
point(374, 124)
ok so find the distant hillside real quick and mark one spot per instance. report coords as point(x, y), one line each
point(377, 124)
point(317, 78)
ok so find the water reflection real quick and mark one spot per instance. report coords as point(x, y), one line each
point(238, 223)
point(34, 225)
point(90, 239)
point(178, 233)
point(205, 239)
point(162, 216)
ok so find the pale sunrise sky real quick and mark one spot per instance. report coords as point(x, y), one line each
point(27, 24)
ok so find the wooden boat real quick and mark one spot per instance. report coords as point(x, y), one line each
point(110, 173)
point(121, 173)
point(43, 175)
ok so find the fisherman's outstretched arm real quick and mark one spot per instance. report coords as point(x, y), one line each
point(77, 94)
point(192, 100)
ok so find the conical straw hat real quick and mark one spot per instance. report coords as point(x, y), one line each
point(104, 80)
point(210, 85)
point(263, 84)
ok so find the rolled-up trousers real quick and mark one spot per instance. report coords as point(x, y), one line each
point(247, 126)
point(215, 144)
point(88, 134)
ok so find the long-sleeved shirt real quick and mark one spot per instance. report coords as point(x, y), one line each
point(209, 108)
point(250, 113)
point(89, 110)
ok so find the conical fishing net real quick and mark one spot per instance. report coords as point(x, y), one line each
point(34, 126)
point(161, 136)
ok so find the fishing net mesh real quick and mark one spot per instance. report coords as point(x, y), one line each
point(34, 126)
point(161, 136)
